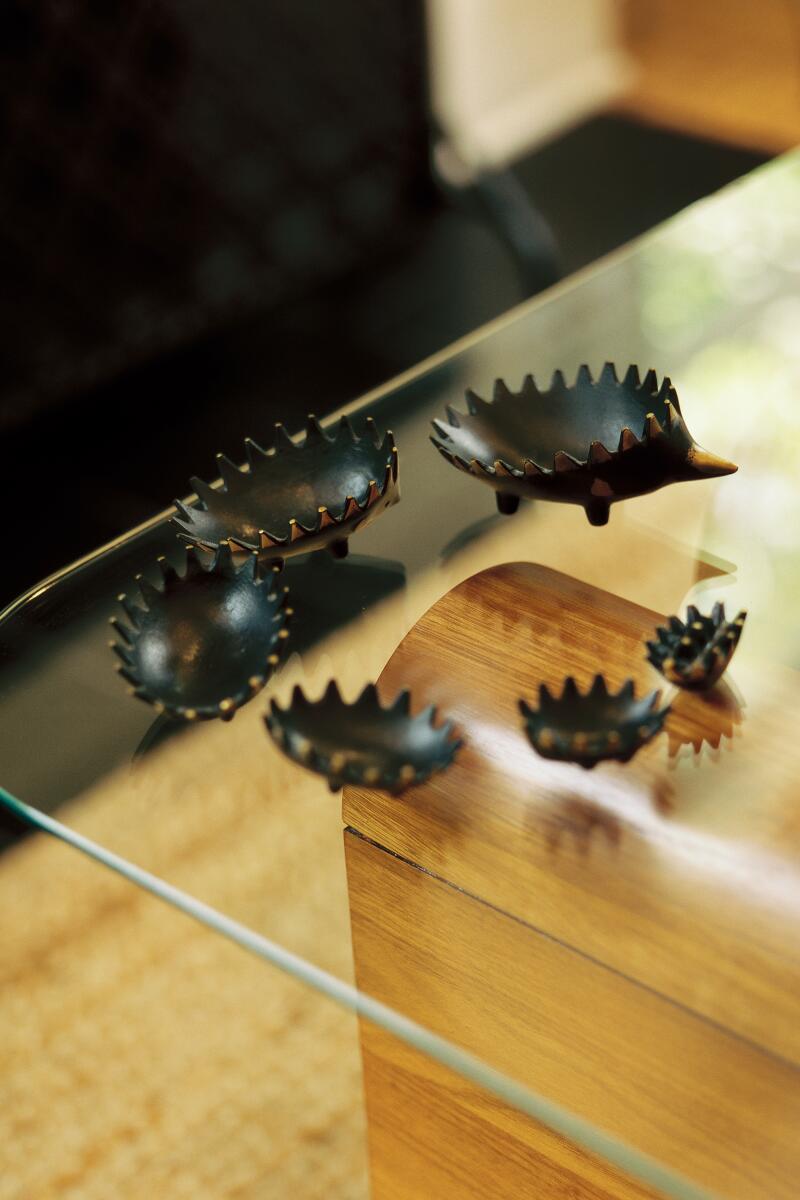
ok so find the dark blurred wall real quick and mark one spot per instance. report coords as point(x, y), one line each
point(169, 165)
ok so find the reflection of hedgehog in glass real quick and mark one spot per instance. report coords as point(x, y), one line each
point(707, 718)
point(363, 742)
point(296, 497)
point(694, 653)
point(591, 444)
point(587, 729)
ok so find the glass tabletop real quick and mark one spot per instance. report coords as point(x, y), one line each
point(613, 954)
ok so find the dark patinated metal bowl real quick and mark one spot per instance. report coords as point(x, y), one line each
point(591, 444)
point(296, 497)
point(362, 742)
point(206, 642)
point(588, 728)
point(695, 653)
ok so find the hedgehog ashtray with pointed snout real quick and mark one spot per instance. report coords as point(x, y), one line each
point(586, 729)
point(203, 643)
point(590, 444)
point(296, 497)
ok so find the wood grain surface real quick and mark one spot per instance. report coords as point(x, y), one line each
point(625, 940)
point(680, 869)
point(688, 1093)
point(434, 1135)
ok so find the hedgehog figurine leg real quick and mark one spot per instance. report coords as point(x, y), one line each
point(597, 510)
point(507, 503)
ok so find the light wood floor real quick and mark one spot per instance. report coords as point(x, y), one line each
point(143, 1057)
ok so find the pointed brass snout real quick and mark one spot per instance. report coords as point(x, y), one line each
point(704, 465)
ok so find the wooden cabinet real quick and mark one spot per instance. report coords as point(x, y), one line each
point(623, 940)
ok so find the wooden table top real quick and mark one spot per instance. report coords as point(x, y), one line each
point(680, 870)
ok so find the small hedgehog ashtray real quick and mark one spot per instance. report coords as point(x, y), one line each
point(363, 742)
point(695, 653)
point(588, 728)
point(205, 642)
point(296, 497)
point(591, 444)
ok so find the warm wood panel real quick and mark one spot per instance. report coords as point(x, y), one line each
point(681, 871)
point(644, 1069)
point(727, 71)
point(432, 1134)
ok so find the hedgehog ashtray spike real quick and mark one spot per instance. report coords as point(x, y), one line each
point(591, 444)
point(363, 742)
point(588, 728)
point(294, 498)
point(206, 642)
point(695, 653)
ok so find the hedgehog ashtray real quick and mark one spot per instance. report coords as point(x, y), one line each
point(694, 653)
point(294, 498)
point(205, 642)
point(588, 728)
point(363, 742)
point(590, 444)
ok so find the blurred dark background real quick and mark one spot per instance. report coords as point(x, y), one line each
point(216, 216)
